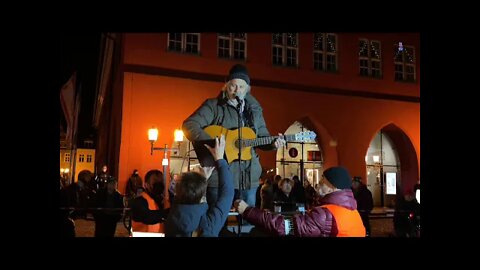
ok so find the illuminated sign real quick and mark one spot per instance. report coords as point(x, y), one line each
point(391, 183)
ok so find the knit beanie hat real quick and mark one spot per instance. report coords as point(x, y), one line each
point(339, 177)
point(239, 72)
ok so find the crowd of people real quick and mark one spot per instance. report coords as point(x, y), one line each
point(200, 202)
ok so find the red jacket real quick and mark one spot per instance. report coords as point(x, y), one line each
point(319, 222)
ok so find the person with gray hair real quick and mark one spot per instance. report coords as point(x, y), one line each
point(233, 108)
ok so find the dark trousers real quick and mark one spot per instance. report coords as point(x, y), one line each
point(366, 221)
point(247, 195)
point(68, 227)
point(105, 226)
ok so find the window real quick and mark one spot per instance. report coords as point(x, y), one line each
point(67, 157)
point(404, 63)
point(184, 42)
point(81, 158)
point(325, 52)
point(314, 156)
point(89, 158)
point(232, 45)
point(370, 57)
point(285, 49)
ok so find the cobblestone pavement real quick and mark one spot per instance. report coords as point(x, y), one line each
point(86, 228)
point(381, 227)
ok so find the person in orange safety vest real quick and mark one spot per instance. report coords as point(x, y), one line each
point(148, 213)
point(335, 216)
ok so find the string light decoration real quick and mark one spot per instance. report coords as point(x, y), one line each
point(318, 41)
point(404, 62)
point(363, 47)
point(292, 39)
point(239, 35)
point(284, 49)
point(331, 44)
point(399, 52)
point(410, 55)
point(370, 57)
point(277, 38)
point(231, 45)
point(324, 51)
point(406, 52)
point(375, 48)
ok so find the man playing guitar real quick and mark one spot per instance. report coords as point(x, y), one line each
point(234, 109)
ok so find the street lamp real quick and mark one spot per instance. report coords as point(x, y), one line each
point(178, 135)
point(152, 137)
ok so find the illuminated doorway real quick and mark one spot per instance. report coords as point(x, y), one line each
point(300, 156)
point(391, 164)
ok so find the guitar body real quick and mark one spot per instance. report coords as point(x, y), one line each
point(231, 136)
point(249, 140)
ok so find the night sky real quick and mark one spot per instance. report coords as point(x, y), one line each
point(80, 52)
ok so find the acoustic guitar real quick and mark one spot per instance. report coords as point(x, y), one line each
point(249, 140)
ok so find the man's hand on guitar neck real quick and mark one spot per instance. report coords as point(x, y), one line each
point(280, 141)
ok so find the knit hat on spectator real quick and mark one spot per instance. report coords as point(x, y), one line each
point(338, 177)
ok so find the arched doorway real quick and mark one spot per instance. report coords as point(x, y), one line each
point(391, 165)
point(300, 157)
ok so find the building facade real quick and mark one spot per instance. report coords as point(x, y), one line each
point(346, 87)
point(84, 160)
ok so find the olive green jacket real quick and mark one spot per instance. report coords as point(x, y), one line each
point(216, 111)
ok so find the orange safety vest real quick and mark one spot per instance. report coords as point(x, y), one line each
point(142, 227)
point(349, 222)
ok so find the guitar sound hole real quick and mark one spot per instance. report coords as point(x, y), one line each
point(237, 144)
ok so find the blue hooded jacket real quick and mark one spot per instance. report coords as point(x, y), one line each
point(183, 219)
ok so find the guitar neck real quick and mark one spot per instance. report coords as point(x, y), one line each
point(265, 140)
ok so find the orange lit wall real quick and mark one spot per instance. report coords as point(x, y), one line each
point(151, 50)
point(164, 102)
